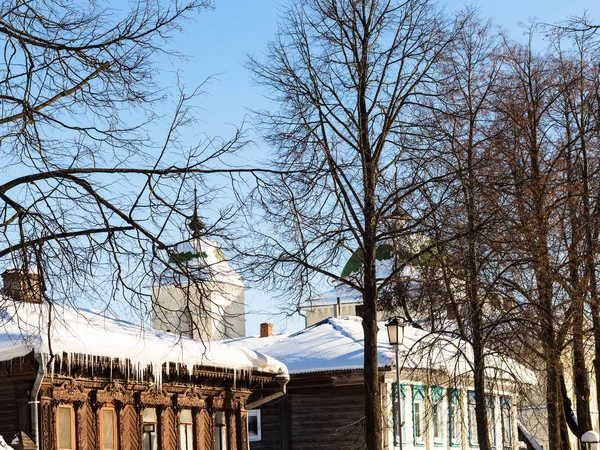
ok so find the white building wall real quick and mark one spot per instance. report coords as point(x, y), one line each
point(410, 442)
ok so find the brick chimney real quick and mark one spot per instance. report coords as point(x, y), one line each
point(266, 329)
point(22, 286)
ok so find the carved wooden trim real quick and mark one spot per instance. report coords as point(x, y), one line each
point(155, 397)
point(192, 398)
point(230, 419)
point(70, 392)
point(115, 393)
point(242, 428)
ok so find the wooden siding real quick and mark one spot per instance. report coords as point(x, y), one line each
point(315, 417)
point(204, 392)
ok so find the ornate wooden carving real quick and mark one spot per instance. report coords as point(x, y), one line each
point(115, 393)
point(193, 397)
point(155, 397)
point(231, 429)
point(242, 428)
point(48, 424)
point(204, 430)
point(129, 431)
point(168, 434)
point(70, 392)
point(86, 429)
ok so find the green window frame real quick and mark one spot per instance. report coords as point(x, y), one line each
point(454, 418)
point(437, 415)
point(395, 414)
point(418, 403)
point(473, 441)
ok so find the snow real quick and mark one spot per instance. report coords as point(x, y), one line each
point(337, 344)
point(27, 327)
point(348, 295)
point(534, 444)
point(4, 445)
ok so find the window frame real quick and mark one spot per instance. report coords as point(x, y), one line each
point(155, 431)
point(490, 404)
point(183, 427)
point(437, 414)
point(454, 414)
point(109, 407)
point(255, 437)
point(72, 426)
point(221, 430)
point(505, 405)
point(395, 414)
point(471, 405)
point(418, 394)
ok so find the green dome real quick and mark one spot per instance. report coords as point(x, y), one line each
point(384, 252)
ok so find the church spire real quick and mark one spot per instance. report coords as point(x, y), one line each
point(196, 225)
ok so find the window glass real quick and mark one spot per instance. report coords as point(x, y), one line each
point(419, 414)
point(186, 434)
point(506, 422)
point(108, 428)
point(254, 426)
point(454, 416)
point(220, 431)
point(149, 429)
point(490, 403)
point(437, 413)
point(65, 427)
point(472, 421)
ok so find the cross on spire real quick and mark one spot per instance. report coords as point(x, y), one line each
point(196, 225)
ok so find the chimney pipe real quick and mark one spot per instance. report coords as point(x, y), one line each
point(21, 285)
point(266, 329)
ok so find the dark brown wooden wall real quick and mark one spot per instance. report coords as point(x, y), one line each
point(314, 418)
point(14, 407)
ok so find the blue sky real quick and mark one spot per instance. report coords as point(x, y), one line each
point(216, 44)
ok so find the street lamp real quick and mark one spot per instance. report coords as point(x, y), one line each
point(395, 328)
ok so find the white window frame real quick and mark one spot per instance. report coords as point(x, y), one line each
point(255, 437)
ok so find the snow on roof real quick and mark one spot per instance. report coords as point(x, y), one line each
point(337, 344)
point(27, 327)
point(348, 295)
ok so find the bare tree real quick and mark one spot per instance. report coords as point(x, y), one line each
point(97, 182)
point(346, 76)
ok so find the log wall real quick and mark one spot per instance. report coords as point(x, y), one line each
point(314, 415)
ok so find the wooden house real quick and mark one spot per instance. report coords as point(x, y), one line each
point(76, 379)
point(324, 405)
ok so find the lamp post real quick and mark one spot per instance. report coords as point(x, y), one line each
point(395, 328)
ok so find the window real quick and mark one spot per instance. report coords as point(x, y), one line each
point(108, 418)
point(490, 402)
point(149, 429)
point(65, 428)
point(220, 431)
point(437, 415)
point(402, 412)
point(472, 420)
point(418, 393)
point(254, 433)
point(454, 417)
point(506, 422)
point(186, 429)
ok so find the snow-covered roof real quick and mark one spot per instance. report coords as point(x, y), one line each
point(348, 295)
point(27, 327)
point(338, 344)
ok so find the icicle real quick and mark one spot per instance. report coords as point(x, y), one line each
point(234, 378)
point(110, 362)
point(69, 357)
